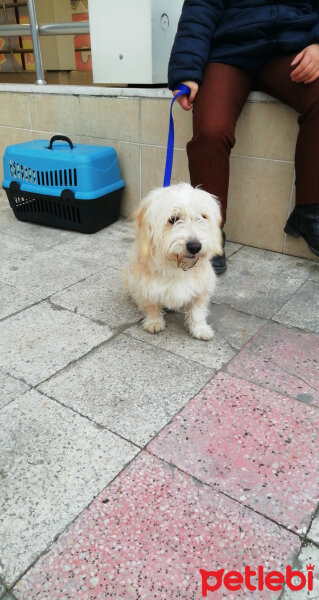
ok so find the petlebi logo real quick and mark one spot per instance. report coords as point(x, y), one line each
point(256, 580)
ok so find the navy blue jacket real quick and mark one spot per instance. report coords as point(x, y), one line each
point(243, 33)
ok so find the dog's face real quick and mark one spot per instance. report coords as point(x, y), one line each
point(179, 224)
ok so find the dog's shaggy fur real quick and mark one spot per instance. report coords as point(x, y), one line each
point(177, 233)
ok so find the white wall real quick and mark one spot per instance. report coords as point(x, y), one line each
point(131, 40)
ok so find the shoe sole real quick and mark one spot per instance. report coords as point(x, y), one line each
point(220, 270)
point(296, 233)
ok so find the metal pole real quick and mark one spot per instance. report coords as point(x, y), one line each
point(14, 30)
point(46, 29)
point(64, 28)
point(36, 44)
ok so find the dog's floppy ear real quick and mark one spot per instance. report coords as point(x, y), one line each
point(140, 214)
point(143, 232)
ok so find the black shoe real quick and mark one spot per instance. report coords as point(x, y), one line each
point(219, 262)
point(304, 221)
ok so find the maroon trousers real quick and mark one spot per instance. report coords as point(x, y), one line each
point(217, 107)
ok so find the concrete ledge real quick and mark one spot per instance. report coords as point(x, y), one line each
point(81, 90)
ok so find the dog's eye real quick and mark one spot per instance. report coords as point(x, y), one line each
point(173, 220)
point(204, 216)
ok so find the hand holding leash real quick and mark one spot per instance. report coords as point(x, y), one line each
point(186, 101)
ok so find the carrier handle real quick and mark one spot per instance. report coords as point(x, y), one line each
point(64, 138)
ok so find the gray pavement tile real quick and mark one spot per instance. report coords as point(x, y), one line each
point(38, 237)
point(302, 310)
point(231, 248)
point(45, 273)
point(12, 300)
point(13, 248)
point(106, 248)
point(259, 282)
point(7, 217)
point(129, 386)
point(273, 262)
point(122, 229)
point(314, 272)
point(10, 389)
point(56, 463)
point(43, 339)
point(100, 297)
point(236, 327)
point(313, 533)
point(175, 338)
point(309, 554)
point(123, 223)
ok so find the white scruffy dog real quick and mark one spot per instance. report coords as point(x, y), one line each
point(177, 233)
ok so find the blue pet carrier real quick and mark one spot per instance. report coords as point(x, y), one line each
point(58, 183)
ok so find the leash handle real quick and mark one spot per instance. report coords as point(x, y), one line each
point(183, 89)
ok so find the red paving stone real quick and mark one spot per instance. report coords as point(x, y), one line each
point(281, 359)
point(148, 540)
point(258, 446)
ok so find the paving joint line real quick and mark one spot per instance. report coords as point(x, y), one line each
point(98, 425)
point(297, 329)
point(107, 428)
point(259, 333)
point(57, 535)
point(119, 328)
point(314, 516)
point(243, 312)
point(14, 399)
point(75, 360)
point(258, 384)
point(292, 375)
point(3, 319)
point(195, 362)
point(16, 378)
point(26, 239)
point(45, 298)
point(308, 260)
point(292, 295)
point(221, 492)
point(304, 330)
point(233, 253)
point(92, 420)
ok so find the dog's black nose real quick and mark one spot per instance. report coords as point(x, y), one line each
point(193, 247)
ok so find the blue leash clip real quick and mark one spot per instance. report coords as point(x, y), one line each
point(183, 89)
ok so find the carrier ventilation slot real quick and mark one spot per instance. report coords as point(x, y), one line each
point(58, 178)
point(27, 204)
point(22, 172)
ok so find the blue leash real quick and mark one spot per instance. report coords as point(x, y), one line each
point(183, 89)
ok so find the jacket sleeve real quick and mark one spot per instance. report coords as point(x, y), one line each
point(314, 34)
point(191, 47)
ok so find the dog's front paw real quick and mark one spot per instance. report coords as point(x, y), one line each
point(153, 325)
point(202, 332)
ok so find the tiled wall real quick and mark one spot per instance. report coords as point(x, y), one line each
point(262, 170)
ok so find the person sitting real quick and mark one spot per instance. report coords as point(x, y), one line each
point(223, 50)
